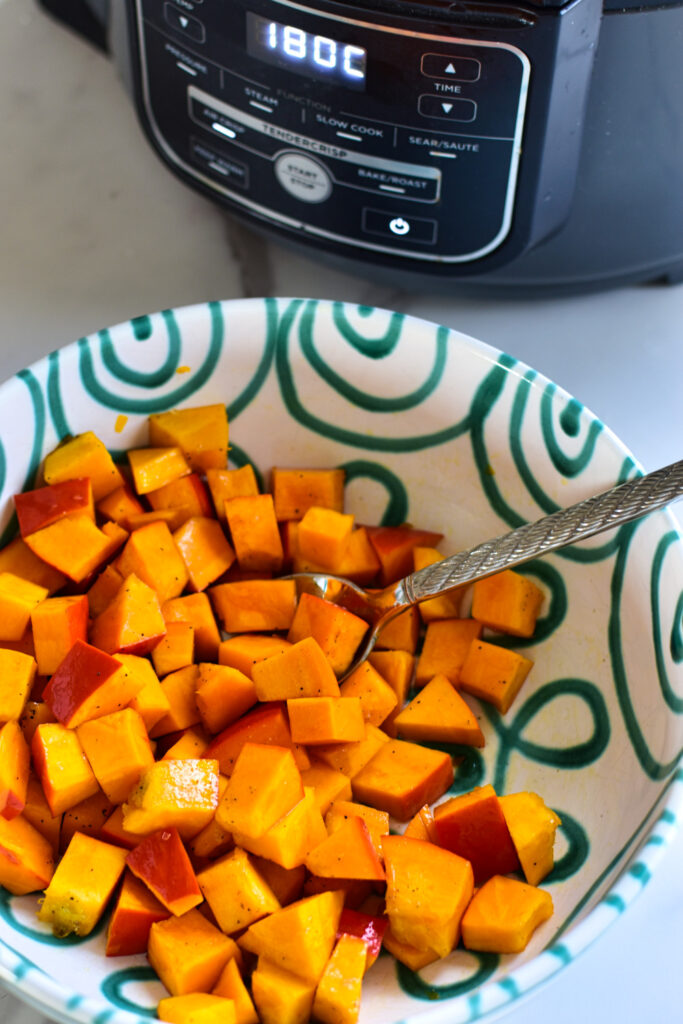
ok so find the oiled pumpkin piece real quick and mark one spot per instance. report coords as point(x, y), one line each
point(428, 889)
point(280, 996)
point(119, 751)
point(162, 863)
point(84, 456)
point(62, 767)
point(188, 952)
point(297, 490)
point(18, 599)
point(265, 784)
point(254, 533)
point(204, 549)
point(225, 484)
point(351, 758)
point(503, 915)
point(494, 674)
point(15, 763)
point(231, 986)
point(197, 1008)
point(236, 892)
point(377, 698)
point(175, 649)
point(337, 631)
point(348, 852)
point(300, 937)
point(132, 622)
point(413, 958)
point(196, 609)
point(328, 784)
point(26, 857)
point(302, 670)
point(338, 995)
point(80, 888)
point(473, 826)
point(151, 554)
point(446, 606)
point(260, 725)
point(508, 602)
point(201, 432)
point(438, 713)
point(253, 605)
point(223, 694)
point(292, 837)
point(401, 777)
point(532, 826)
point(323, 537)
point(180, 794)
point(316, 720)
point(342, 810)
point(134, 913)
point(57, 624)
point(446, 645)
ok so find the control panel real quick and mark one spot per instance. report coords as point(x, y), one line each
point(332, 126)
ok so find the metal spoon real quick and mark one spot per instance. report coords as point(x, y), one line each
point(621, 504)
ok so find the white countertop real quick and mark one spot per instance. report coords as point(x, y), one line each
point(93, 230)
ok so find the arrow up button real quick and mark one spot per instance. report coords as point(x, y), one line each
point(446, 66)
point(184, 23)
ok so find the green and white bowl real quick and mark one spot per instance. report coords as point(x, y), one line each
point(449, 434)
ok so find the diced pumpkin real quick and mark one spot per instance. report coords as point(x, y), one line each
point(200, 432)
point(45, 505)
point(336, 630)
point(401, 633)
point(413, 958)
point(152, 468)
point(236, 892)
point(446, 645)
point(187, 495)
point(323, 537)
point(17, 674)
point(280, 996)
point(190, 744)
point(348, 852)
point(473, 826)
point(73, 545)
point(120, 505)
point(359, 562)
point(15, 761)
point(222, 695)
point(494, 674)
point(265, 784)
point(196, 609)
point(292, 837)
point(135, 912)
point(302, 670)
point(342, 811)
point(532, 826)
point(81, 886)
point(197, 1008)
point(242, 652)
point(503, 915)
point(428, 890)
point(337, 997)
point(179, 687)
point(188, 952)
point(119, 751)
point(396, 668)
point(254, 533)
point(162, 863)
point(18, 598)
point(26, 857)
point(394, 546)
point(351, 758)
point(62, 767)
point(297, 490)
point(439, 714)
point(132, 622)
point(103, 591)
point(18, 559)
point(175, 649)
point(57, 624)
point(261, 725)
point(231, 986)
point(377, 698)
point(151, 554)
point(173, 794)
point(370, 928)
point(401, 777)
point(252, 605)
point(445, 606)
point(205, 550)
point(315, 720)
point(328, 784)
point(83, 456)
point(150, 701)
point(508, 602)
point(87, 684)
point(299, 937)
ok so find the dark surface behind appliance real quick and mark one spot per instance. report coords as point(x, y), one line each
point(597, 198)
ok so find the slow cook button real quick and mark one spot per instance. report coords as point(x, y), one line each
point(399, 226)
point(303, 177)
point(448, 108)
point(450, 68)
point(184, 23)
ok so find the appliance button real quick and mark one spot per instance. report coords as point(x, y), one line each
point(447, 108)
point(224, 167)
point(303, 177)
point(184, 23)
point(399, 226)
point(457, 69)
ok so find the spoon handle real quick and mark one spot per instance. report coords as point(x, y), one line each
point(621, 504)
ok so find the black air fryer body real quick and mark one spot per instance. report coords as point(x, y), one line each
point(452, 146)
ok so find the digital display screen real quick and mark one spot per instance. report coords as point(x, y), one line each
point(315, 56)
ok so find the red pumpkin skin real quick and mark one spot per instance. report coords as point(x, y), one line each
point(45, 505)
point(162, 863)
point(479, 833)
point(81, 673)
point(367, 927)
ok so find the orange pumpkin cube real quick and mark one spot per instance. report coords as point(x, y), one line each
point(57, 624)
point(45, 505)
point(179, 688)
point(323, 537)
point(265, 784)
point(254, 532)
point(73, 545)
point(103, 590)
point(225, 484)
point(81, 886)
point(446, 606)
point(175, 649)
point(297, 490)
point(337, 631)
point(150, 701)
point(18, 598)
point(359, 562)
point(280, 996)
point(222, 695)
point(288, 842)
point(342, 811)
point(87, 684)
point(377, 698)
point(188, 952)
point(191, 744)
point(231, 986)
point(135, 912)
point(26, 857)
point(401, 777)
point(15, 761)
point(394, 546)
point(83, 456)
point(508, 602)
point(119, 751)
point(439, 714)
point(348, 852)
point(200, 432)
point(196, 609)
point(152, 468)
point(120, 505)
point(262, 725)
point(18, 559)
point(328, 784)
point(236, 893)
point(315, 720)
point(494, 674)
point(151, 554)
point(205, 550)
point(401, 633)
point(181, 794)
point(350, 758)
point(446, 645)
point(34, 714)
point(62, 767)
point(337, 997)
point(187, 495)
point(17, 673)
point(251, 605)
point(473, 825)
point(300, 671)
point(242, 652)
point(162, 863)
point(503, 915)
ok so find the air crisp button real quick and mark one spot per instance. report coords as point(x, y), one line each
point(448, 67)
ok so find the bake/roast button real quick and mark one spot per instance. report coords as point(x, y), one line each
point(448, 67)
point(184, 23)
point(399, 226)
point(447, 108)
point(303, 177)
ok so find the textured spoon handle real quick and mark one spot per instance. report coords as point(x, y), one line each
point(621, 504)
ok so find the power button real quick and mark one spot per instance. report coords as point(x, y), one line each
point(399, 226)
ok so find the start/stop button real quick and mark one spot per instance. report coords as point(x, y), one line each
point(303, 177)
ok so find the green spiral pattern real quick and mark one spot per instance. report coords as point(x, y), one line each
point(449, 434)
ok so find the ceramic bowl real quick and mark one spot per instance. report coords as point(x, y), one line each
point(447, 433)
